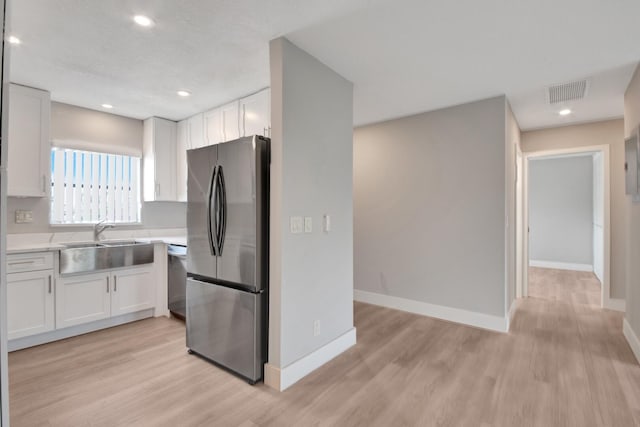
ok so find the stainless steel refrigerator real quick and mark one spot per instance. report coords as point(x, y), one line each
point(227, 257)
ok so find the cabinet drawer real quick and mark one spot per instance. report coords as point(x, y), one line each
point(17, 263)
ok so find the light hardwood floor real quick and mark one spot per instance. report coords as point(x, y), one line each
point(564, 363)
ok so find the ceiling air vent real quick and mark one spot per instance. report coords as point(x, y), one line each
point(567, 91)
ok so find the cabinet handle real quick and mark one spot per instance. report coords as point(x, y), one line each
point(157, 189)
point(107, 284)
point(44, 184)
point(50, 284)
point(115, 283)
point(22, 262)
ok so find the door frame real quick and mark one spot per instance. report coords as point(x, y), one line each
point(605, 297)
point(4, 130)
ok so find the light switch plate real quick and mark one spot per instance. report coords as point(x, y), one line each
point(23, 217)
point(296, 224)
point(308, 224)
point(326, 223)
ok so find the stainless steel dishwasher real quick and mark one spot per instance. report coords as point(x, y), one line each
point(177, 276)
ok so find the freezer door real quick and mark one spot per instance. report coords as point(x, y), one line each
point(201, 258)
point(244, 192)
point(225, 325)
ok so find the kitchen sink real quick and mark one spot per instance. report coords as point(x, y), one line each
point(81, 245)
point(121, 243)
point(90, 257)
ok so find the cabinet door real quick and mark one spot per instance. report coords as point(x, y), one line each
point(30, 303)
point(255, 114)
point(195, 131)
point(231, 121)
point(213, 125)
point(82, 299)
point(182, 145)
point(29, 147)
point(165, 148)
point(159, 163)
point(132, 290)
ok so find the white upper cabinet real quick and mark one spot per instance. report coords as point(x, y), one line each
point(195, 131)
point(222, 124)
point(28, 165)
point(255, 114)
point(159, 159)
point(231, 121)
point(182, 145)
point(213, 126)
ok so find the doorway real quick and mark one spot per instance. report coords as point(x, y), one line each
point(564, 243)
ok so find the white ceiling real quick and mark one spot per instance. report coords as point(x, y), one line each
point(404, 56)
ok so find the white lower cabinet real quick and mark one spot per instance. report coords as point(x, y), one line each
point(30, 308)
point(133, 290)
point(90, 297)
point(82, 299)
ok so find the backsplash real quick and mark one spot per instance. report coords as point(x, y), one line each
point(154, 215)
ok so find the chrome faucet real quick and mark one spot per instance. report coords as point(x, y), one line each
point(99, 228)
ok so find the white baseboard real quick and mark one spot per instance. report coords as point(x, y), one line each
point(72, 331)
point(561, 265)
point(632, 339)
point(616, 304)
point(472, 318)
point(283, 378)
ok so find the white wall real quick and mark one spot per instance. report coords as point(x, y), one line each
point(82, 128)
point(561, 210)
point(512, 147)
point(611, 133)
point(631, 123)
point(311, 275)
point(430, 203)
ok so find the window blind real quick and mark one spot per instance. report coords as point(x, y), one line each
point(87, 187)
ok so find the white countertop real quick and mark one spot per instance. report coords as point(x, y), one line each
point(24, 244)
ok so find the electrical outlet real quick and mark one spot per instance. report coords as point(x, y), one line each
point(316, 328)
point(296, 224)
point(23, 217)
point(308, 224)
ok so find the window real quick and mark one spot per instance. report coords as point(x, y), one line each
point(87, 187)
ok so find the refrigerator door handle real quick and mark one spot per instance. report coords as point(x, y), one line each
point(222, 210)
point(212, 186)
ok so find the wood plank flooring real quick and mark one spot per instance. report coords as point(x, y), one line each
point(564, 363)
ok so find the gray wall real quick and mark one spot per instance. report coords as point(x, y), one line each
point(312, 175)
point(84, 128)
point(631, 123)
point(429, 207)
point(561, 210)
point(611, 133)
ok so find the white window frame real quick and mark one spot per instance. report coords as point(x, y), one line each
point(87, 178)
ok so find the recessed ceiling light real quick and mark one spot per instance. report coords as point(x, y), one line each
point(564, 112)
point(14, 40)
point(183, 93)
point(143, 21)
point(107, 106)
